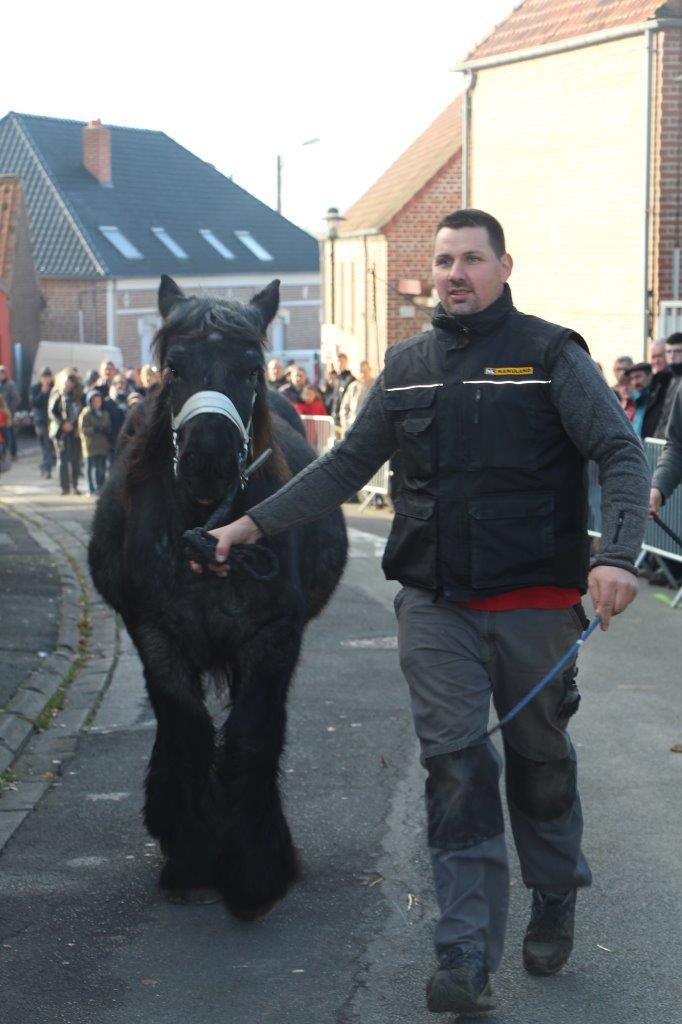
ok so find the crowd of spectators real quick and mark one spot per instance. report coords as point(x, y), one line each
point(76, 421)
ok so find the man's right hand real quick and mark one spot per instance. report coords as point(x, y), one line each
point(655, 502)
point(241, 531)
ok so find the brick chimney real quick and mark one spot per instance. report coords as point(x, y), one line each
point(97, 151)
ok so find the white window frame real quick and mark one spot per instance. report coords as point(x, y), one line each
point(216, 244)
point(254, 246)
point(170, 243)
point(123, 245)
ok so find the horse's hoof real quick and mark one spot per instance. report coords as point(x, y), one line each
point(256, 914)
point(191, 897)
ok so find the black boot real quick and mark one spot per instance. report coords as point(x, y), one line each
point(549, 936)
point(461, 984)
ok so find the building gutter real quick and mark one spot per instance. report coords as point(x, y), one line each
point(647, 188)
point(466, 120)
point(571, 43)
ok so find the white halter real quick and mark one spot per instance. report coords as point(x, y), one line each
point(212, 402)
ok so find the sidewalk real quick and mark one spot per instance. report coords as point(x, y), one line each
point(58, 641)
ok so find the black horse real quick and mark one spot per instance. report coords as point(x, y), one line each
point(213, 801)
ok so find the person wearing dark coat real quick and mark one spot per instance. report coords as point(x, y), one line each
point(39, 401)
point(64, 409)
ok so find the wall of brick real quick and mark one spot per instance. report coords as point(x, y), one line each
point(666, 198)
point(557, 154)
point(65, 300)
point(409, 239)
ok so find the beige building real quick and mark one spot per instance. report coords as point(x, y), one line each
point(572, 137)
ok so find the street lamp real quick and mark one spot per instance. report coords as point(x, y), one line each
point(333, 219)
point(280, 165)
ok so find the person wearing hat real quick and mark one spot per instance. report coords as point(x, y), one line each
point(94, 426)
point(647, 399)
point(10, 393)
point(39, 400)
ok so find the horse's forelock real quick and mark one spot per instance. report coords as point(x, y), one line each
point(198, 317)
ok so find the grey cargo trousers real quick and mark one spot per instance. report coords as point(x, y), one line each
point(454, 659)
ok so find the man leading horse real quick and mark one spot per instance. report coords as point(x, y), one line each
point(496, 414)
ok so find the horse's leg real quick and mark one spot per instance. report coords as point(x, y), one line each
point(257, 863)
point(178, 805)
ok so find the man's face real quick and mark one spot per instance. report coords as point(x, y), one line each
point(638, 379)
point(657, 356)
point(108, 371)
point(3, 374)
point(673, 354)
point(343, 364)
point(298, 377)
point(467, 274)
point(274, 370)
point(620, 366)
point(121, 385)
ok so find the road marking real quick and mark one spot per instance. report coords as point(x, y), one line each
point(86, 862)
point(362, 540)
point(383, 643)
point(115, 797)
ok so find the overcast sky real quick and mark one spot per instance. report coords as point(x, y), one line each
point(239, 83)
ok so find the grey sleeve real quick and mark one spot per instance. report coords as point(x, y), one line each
point(600, 430)
point(668, 472)
point(335, 476)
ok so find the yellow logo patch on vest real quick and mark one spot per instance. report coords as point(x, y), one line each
point(508, 371)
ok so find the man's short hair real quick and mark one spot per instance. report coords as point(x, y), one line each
point(674, 339)
point(477, 219)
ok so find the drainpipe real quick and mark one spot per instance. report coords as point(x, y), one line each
point(647, 187)
point(466, 121)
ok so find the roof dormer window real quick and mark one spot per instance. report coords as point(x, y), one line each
point(120, 242)
point(170, 243)
point(216, 243)
point(247, 239)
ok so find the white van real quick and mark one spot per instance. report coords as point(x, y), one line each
point(61, 354)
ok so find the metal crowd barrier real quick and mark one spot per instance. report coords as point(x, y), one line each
point(378, 486)
point(656, 542)
point(320, 433)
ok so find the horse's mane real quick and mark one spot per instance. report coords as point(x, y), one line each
point(151, 448)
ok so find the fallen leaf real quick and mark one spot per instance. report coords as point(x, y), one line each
point(412, 900)
point(676, 748)
point(149, 982)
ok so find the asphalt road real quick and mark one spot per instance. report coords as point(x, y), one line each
point(85, 936)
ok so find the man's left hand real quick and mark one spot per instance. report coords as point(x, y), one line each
point(611, 590)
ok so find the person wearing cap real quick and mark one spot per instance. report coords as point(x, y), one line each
point(495, 414)
point(94, 426)
point(39, 401)
point(638, 381)
point(10, 393)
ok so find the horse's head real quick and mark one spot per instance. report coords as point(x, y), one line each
point(211, 355)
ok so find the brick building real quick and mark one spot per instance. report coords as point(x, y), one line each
point(376, 272)
point(20, 298)
point(111, 208)
point(572, 136)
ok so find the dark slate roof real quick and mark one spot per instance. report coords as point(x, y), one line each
point(155, 183)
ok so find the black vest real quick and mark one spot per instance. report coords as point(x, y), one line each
point(495, 493)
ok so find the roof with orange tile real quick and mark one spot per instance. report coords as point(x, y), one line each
point(410, 172)
point(539, 22)
point(10, 198)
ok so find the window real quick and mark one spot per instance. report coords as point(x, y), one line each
point(170, 243)
point(216, 243)
point(247, 239)
point(120, 242)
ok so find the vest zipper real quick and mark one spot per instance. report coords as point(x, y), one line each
point(477, 400)
point(619, 522)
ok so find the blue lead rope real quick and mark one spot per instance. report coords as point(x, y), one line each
point(570, 653)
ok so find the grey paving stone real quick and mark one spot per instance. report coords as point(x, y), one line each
point(14, 731)
point(28, 703)
point(9, 823)
point(24, 797)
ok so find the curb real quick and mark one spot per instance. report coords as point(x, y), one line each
point(78, 672)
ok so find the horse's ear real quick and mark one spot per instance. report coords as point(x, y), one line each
point(169, 295)
point(267, 302)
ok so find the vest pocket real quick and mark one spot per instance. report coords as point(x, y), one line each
point(410, 553)
point(417, 446)
point(512, 540)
